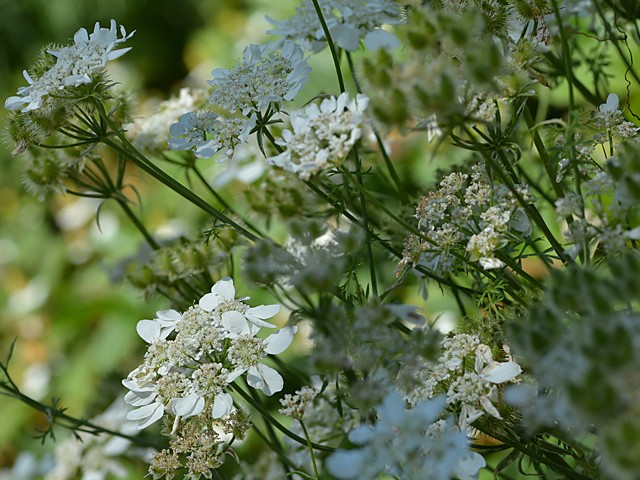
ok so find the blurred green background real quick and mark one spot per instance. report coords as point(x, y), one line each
point(75, 328)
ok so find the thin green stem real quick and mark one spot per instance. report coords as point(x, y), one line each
point(332, 47)
point(383, 151)
point(130, 152)
point(567, 55)
point(542, 152)
point(268, 417)
point(309, 444)
point(365, 225)
point(223, 202)
point(138, 224)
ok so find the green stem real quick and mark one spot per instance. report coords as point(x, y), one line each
point(385, 156)
point(365, 225)
point(138, 224)
point(542, 152)
point(570, 474)
point(566, 54)
point(311, 453)
point(332, 47)
point(129, 151)
point(275, 423)
point(57, 416)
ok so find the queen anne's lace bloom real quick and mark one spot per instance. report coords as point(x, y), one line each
point(220, 327)
point(471, 392)
point(207, 133)
point(265, 75)
point(191, 360)
point(322, 136)
point(75, 65)
point(357, 20)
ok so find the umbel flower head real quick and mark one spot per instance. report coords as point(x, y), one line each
point(358, 20)
point(265, 75)
point(193, 356)
point(322, 135)
point(75, 65)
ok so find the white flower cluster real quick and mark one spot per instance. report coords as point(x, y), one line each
point(192, 359)
point(294, 405)
point(264, 76)
point(355, 20)
point(207, 133)
point(483, 216)
point(609, 117)
point(152, 133)
point(469, 377)
point(75, 65)
point(322, 135)
point(412, 444)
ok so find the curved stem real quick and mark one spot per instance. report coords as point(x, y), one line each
point(139, 225)
point(267, 416)
point(311, 453)
point(130, 152)
point(332, 47)
point(222, 201)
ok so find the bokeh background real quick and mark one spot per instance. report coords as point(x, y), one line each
point(75, 326)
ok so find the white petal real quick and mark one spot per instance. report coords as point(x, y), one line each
point(152, 413)
point(489, 408)
point(15, 103)
point(380, 38)
point(278, 342)
point(264, 311)
point(222, 405)
point(209, 302)
point(235, 322)
point(469, 465)
point(611, 105)
point(235, 374)
point(347, 36)
point(168, 317)
point(189, 406)
point(148, 330)
point(224, 288)
point(499, 372)
point(139, 399)
point(265, 378)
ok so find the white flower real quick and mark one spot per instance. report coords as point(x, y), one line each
point(476, 391)
point(207, 133)
point(246, 352)
point(264, 76)
point(304, 26)
point(361, 20)
point(237, 317)
point(151, 133)
point(321, 135)
point(75, 65)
